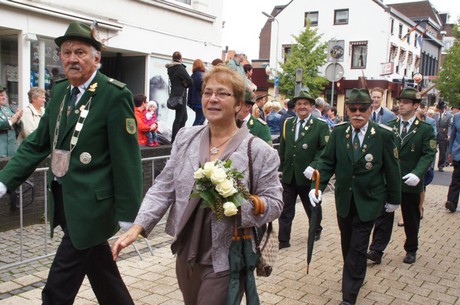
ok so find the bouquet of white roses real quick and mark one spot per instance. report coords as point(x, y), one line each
point(219, 185)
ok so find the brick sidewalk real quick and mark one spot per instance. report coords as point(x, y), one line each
point(433, 279)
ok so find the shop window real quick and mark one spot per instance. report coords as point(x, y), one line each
point(53, 66)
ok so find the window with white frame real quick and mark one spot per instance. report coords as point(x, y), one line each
point(341, 16)
point(312, 17)
point(358, 54)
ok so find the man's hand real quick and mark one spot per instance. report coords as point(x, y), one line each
point(390, 208)
point(308, 172)
point(313, 199)
point(2, 190)
point(411, 179)
point(125, 240)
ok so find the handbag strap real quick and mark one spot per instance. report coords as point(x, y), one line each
point(255, 232)
point(251, 173)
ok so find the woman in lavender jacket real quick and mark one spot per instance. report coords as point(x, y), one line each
point(202, 242)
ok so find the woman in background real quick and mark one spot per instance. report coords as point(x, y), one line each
point(194, 93)
point(32, 113)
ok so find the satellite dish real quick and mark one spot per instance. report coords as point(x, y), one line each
point(334, 72)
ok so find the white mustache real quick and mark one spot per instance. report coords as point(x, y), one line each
point(359, 118)
point(73, 67)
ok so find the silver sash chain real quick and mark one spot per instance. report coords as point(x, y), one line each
point(60, 158)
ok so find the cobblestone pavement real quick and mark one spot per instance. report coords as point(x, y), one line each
point(433, 279)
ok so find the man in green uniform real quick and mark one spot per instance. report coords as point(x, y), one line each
point(364, 158)
point(256, 126)
point(10, 123)
point(417, 149)
point(95, 179)
point(302, 140)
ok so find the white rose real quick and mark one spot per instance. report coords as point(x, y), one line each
point(230, 209)
point(199, 174)
point(226, 188)
point(208, 169)
point(218, 176)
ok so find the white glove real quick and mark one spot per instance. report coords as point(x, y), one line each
point(125, 225)
point(313, 199)
point(2, 190)
point(412, 180)
point(390, 208)
point(308, 172)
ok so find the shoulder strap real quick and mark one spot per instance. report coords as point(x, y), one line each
point(250, 164)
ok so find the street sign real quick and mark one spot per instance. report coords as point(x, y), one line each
point(334, 72)
point(335, 50)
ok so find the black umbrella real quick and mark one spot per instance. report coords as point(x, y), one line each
point(313, 219)
point(242, 260)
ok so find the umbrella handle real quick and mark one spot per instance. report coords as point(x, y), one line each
point(316, 176)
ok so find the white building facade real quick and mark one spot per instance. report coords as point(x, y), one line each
point(377, 42)
point(140, 38)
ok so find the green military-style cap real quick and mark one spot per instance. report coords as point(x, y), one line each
point(410, 94)
point(80, 31)
point(359, 96)
point(2, 88)
point(249, 97)
point(304, 95)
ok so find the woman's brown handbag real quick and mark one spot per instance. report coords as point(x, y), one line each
point(265, 237)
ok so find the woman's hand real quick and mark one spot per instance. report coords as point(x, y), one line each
point(125, 240)
point(16, 117)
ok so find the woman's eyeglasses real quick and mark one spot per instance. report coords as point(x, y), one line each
point(219, 94)
point(361, 108)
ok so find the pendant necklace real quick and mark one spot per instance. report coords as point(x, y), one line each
point(215, 149)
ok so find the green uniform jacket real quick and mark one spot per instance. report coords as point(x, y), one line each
point(99, 192)
point(259, 129)
point(372, 180)
point(7, 134)
point(416, 151)
point(296, 156)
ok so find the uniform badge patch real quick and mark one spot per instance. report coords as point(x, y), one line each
point(326, 138)
point(395, 152)
point(131, 126)
point(432, 144)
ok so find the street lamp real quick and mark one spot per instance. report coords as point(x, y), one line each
point(271, 19)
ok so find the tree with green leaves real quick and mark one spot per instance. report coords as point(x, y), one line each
point(309, 54)
point(448, 82)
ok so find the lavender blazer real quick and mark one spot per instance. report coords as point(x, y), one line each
point(172, 188)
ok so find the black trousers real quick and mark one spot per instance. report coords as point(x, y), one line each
point(454, 187)
point(70, 266)
point(411, 214)
point(383, 229)
point(181, 117)
point(442, 144)
point(290, 193)
point(354, 237)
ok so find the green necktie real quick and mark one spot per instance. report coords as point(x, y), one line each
point(404, 129)
point(72, 99)
point(356, 145)
point(300, 128)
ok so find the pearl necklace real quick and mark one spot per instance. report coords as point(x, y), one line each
point(215, 149)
